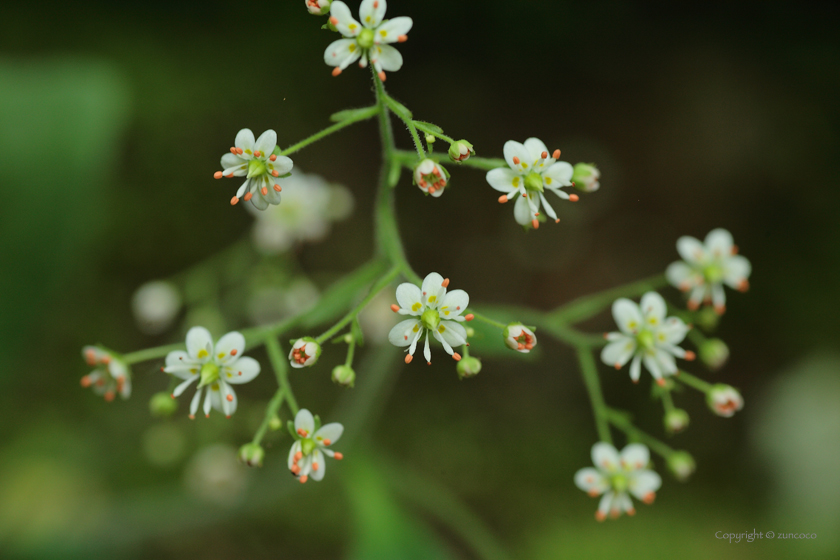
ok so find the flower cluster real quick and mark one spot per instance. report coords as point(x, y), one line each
point(110, 376)
point(259, 161)
point(312, 442)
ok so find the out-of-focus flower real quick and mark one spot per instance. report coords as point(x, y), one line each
point(251, 454)
point(312, 442)
point(269, 304)
point(706, 267)
point(724, 400)
point(318, 7)
point(215, 476)
point(617, 475)
point(368, 40)
point(460, 150)
point(110, 376)
point(434, 311)
point(216, 366)
point(519, 337)
point(310, 205)
point(585, 177)
point(647, 337)
point(529, 174)
point(344, 375)
point(469, 366)
point(676, 420)
point(304, 353)
point(162, 405)
point(714, 352)
point(155, 305)
point(256, 160)
point(682, 465)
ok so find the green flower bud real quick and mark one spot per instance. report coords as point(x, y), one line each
point(585, 177)
point(305, 352)
point(162, 405)
point(724, 400)
point(707, 318)
point(468, 367)
point(460, 150)
point(318, 7)
point(675, 420)
point(681, 465)
point(344, 375)
point(430, 139)
point(714, 352)
point(251, 454)
point(274, 423)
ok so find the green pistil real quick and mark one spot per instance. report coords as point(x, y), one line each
point(307, 446)
point(430, 319)
point(209, 374)
point(619, 483)
point(534, 182)
point(256, 168)
point(365, 38)
point(645, 339)
point(713, 273)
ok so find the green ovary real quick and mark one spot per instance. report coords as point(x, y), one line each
point(255, 168)
point(365, 38)
point(209, 374)
point(619, 483)
point(713, 273)
point(307, 446)
point(430, 319)
point(534, 182)
point(645, 339)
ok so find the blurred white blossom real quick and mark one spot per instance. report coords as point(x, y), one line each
point(214, 475)
point(155, 305)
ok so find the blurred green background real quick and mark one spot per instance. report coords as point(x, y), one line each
point(112, 120)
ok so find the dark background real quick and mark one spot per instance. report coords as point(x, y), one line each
point(112, 120)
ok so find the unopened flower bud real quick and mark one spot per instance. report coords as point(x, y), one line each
point(431, 177)
point(344, 375)
point(714, 352)
point(724, 400)
point(251, 454)
point(162, 405)
point(430, 139)
point(274, 423)
point(585, 177)
point(155, 306)
point(305, 352)
point(519, 337)
point(707, 318)
point(318, 7)
point(469, 366)
point(681, 465)
point(675, 420)
point(460, 150)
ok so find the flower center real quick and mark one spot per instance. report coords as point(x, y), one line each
point(307, 446)
point(645, 339)
point(534, 182)
point(713, 273)
point(256, 167)
point(365, 38)
point(430, 319)
point(619, 483)
point(209, 374)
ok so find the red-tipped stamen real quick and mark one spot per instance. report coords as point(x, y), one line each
point(395, 308)
point(515, 160)
point(218, 175)
point(456, 356)
point(336, 71)
point(573, 197)
point(690, 356)
point(445, 283)
point(402, 38)
point(556, 154)
point(535, 224)
point(408, 358)
point(248, 196)
point(503, 198)
point(338, 456)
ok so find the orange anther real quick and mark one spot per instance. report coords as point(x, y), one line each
point(336, 71)
point(535, 223)
point(649, 498)
point(275, 173)
point(85, 381)
point(233, 201)
point(327, 441)
point(744, 285)
point(375, 5)
point(690, 356)
point(503, 198)
point(218, 175)
point(314, 466)
point(600, 515)
point(631, 512)
point(239, 151)
point(272, 157)
point(278, 188)
point(234, 352)
point(192, 416)
point(544, 155)
point(593, 493)
point(303, 479)
point(248, 196)
point(529, 346)
point(660, 382)
point(229, 175)
point(382, 76)
point(456, 356)
point(408, 358)
point(339, 456)
point(395, 307)
point(334, 20)
point(445, 283)
point(469, 317)
point(109, 396)
point(295, 469)
point(264, 191)
point(233, 151)
point(734, 250)
point(573, 197)
point(402, 38)
point(257, 153)
point(298, 456)
point(515, 160)
point(617, 365)
point(556, 154)
point(693, 305)
point(229, 398)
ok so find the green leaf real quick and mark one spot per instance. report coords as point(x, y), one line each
point(349, 114)
point(428, 127)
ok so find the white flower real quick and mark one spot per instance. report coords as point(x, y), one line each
point(615, 475)
point(306, 457)
point(304, 353)
point(434, 311)
point(706, 267)
point(309, 206)
point(646, 336)
point(155, 306)
point(217, 366)
point(530, 173)
point(110, 376)
point(256, 160)
point(724, 400)
point(519, 337)
point(318, 7)
point(430, 177)
point(368, 40)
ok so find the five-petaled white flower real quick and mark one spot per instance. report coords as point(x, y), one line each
point(531, 171)
point(217, 366)
point(431, 177)
point(435, 311)
point(110, 376)
point(368, 40)
point(616, 475)
point(646, 336)
point(707, 266)
point(306, 457)
point(256, 160)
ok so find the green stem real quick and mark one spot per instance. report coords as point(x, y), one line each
point(620, 421)
point(588, 306)
point(428, 130)
point(487, 320)
point(359, 116)
point(667, 401)
point(593, 387)
point(273, 406)
point(351, 350)
point(694, 382)
point(281, 370)
point(696, 337)
point(384, 281)
point(484, 163)
point(399, 110)
point(151, 353)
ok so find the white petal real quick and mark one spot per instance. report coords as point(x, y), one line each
point(331, 431)
point(736, 270)
point(245, 140)
point(635, 456)
point(653, 308)
point(199, 343)
point(404, 333)
point(230, 346)
point(305, 420)
point(627, 315)
point(259, 201)
point(605, 456)
point(242, 370)
point(208, 402)
point(680, 275)
point(590, 480)
point(535, 148)
point(427, 352)
point(504, 180)
point(636, 369)
point(195, 401)
point(514, 149)
point(318, 459)
point(548, 209)
point(618, 352)
point(390, 31)
point(433, 290)
point(230, 160)
point(372, 12)
point(218, 398)
point(643, 482)
point(453, 333)
point(652, 365)
point(266, 143)
point(345, 25)
point(719, 243)
point(342, 53)
point(386, 57)
point(690, 249)
point(672, 331)
point(666, 361)
point(605, 505)
point(454, 303)
point(558, 175)
point(179, 390)
point(296, 446)
point(522, 211)
point(409, 298)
